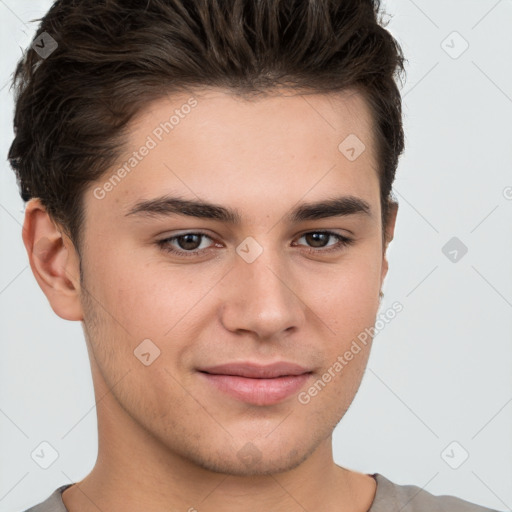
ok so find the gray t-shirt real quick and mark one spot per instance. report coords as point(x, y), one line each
point(389, 497)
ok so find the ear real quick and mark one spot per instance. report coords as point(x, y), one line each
point(53, 260)
point(389, 234)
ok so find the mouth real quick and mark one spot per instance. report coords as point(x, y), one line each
point(257, 384)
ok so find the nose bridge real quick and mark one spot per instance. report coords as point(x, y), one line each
point(261, 297)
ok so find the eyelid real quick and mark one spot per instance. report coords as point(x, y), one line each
point(164, 245)
point(343, 243)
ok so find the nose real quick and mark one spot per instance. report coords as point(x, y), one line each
point(262, 297)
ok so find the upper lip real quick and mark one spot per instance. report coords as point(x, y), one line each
point(256, 371)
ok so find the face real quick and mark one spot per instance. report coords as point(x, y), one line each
point(255, 279)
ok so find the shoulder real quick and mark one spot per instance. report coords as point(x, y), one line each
point(53, 503)
point(391, 497)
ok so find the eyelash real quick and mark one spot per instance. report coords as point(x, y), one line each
point(343, 242)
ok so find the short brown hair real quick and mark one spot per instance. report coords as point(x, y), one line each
point(115, 56)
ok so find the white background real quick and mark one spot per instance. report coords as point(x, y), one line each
point(439, 372)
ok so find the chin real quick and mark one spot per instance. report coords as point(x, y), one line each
point(249, 460)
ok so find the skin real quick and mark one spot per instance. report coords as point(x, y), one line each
point(167, 439)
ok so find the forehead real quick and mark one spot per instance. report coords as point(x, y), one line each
point(288, 116)
point(213, 145)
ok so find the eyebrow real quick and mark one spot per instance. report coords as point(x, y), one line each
point(167, 206)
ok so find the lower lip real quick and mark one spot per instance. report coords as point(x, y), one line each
point(258, 391)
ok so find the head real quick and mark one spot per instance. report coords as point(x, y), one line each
point(259, 110)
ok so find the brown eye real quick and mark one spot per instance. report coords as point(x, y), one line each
point(186, 244)
point(189, 242)
point(317, 239)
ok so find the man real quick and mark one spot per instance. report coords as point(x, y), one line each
point(209, 193)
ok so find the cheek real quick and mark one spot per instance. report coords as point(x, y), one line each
point(346, 295)
point(154, 300)
point(157, 296)
point(138, 292)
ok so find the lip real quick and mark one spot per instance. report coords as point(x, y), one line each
point(257, 384)
point(257, 371)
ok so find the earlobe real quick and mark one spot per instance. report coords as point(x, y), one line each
point(53, 260)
